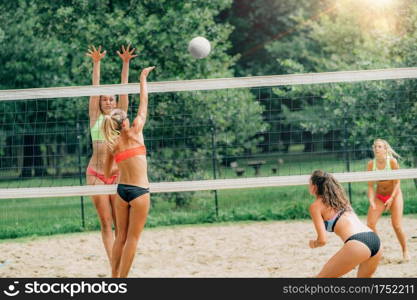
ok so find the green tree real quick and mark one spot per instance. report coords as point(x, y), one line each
point(261, 23)
point(44, 44)
point(352, 38)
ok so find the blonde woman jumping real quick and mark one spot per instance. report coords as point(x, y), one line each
point(127, 149)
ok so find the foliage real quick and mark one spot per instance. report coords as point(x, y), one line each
point(356, 35)
point(44, 44)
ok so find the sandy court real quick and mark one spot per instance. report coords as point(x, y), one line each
point(259, 249)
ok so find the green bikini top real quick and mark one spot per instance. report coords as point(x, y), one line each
point(387, 165)
point(96, 133)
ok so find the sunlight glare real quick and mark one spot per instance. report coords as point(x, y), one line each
point(382, 2)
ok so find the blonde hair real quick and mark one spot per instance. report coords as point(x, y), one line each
point(112, 126)
point(391, 152)
point(329, 189)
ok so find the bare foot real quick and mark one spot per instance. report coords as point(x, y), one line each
point(406, 256)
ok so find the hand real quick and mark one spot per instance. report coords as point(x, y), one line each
point(126, 54)
point(312, 244)
point(145, 72)
point(388, 203)
point(96, 55)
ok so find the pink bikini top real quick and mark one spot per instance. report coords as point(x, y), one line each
point(128, 153)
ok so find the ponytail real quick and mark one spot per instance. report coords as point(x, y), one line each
point(112, 126)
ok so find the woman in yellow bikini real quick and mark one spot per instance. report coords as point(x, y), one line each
point(388, 195)
point(99, 107)
point(127, 150)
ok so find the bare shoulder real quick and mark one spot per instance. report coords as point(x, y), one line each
point(370, 164)
point(316, 205)
point(394, 163)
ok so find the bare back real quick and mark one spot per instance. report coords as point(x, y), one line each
point(133, 170)
point(348, 223)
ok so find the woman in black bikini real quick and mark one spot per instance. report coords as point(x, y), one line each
point(331, 211)
point(127, 149)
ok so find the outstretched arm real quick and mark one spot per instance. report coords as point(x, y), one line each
point(371, 192)
point(94, 105)
point(140, 119)
point(126, 55)
point(319, 226)
point(394, 166)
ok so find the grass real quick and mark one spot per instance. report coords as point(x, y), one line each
point(33, 217)
point(29, 217)
point(294, 164)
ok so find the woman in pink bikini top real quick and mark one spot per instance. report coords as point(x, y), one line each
point(388, 194)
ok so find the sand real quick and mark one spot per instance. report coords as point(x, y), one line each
point(258, 249)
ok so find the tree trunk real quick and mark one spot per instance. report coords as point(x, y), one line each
point(308, 141)
point(27, 166)
point(415, 165)
point(38, 159)
point(58, 167)
point(32, 157)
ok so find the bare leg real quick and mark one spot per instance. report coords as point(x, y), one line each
point(113, 213)
point(137, 218)
point(122, 216)
point(375, 214)
point(396, 220)
point(368, 267)
point(346, 259)
point(104, 211)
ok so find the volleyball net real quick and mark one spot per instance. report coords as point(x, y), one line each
point(218, 149)
point(215, 134)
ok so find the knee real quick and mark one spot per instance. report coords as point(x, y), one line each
point(372, 225)
point(121, 237)
point(106, 223)
point(132, 240)
point(397, 226)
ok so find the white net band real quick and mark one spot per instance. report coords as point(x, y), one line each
point(201, 185)
point(210, 84)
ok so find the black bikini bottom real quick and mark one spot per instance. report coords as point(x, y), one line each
point(129, 192)
point(368, 238)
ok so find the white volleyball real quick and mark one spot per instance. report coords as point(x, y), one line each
point(199, 47)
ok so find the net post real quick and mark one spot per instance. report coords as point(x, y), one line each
point(347, 157)
point(80, 173)
point(213, 159)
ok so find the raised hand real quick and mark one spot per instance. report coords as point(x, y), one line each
point(95, 54)
point(127, 54)
point(145, 72)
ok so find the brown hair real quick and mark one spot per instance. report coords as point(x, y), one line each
point(112, 126)
point(330, 190)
